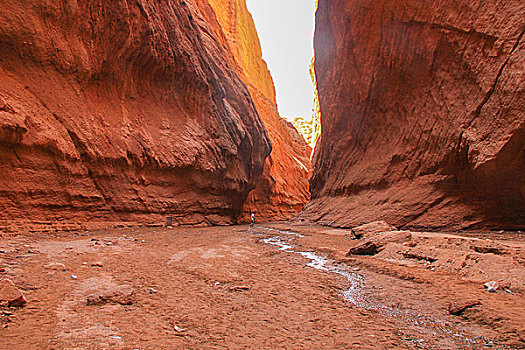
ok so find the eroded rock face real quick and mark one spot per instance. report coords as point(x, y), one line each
point(423, 113)
point(122, 111)
point(283, 189)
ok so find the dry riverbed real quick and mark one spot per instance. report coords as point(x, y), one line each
point(278, 286)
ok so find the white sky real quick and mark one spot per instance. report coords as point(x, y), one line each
point(286, 29)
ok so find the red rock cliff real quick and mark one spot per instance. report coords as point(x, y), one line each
point(122, 111)
point(283, 189)
point(423, 112)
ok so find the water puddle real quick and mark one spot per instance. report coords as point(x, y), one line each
point(421, 331)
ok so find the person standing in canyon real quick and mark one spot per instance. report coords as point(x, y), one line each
point(252, 216)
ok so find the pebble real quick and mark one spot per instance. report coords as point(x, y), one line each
point(178, 329)
point(74, 277)
point(56, 266)
point(492, 286)
point(240, 289)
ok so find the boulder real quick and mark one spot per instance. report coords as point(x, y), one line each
point(371, 228)
point(375, 243)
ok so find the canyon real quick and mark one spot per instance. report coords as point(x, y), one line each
point(420, 107)
point(137, 138)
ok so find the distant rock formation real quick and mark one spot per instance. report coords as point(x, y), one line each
point(305, 128)
point(123, 111)
point(311, 129)
point(423, 113)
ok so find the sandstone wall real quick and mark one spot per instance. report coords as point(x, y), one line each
point(122, 111)
point(423, 113)
point(283, 189)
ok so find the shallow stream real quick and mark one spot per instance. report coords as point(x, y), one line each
point(420, 331)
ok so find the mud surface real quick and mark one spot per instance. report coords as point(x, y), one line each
point(267, 287)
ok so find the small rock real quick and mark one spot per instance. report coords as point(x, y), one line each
point(74, 277)
point(492, 286)
point(123, 295)
point(239, 289)
point(459, 307)
point(56, 266)
point(178, 329)
point(10, 294)
point(97, 264)
point(152, 291)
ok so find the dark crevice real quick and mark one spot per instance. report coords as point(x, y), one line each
point(471, 32)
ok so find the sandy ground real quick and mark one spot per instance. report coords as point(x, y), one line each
point(277, 286)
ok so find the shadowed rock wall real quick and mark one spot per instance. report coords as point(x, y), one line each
point(423, 113)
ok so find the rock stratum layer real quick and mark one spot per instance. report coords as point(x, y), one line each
point(123, 111)
point(283, 189)
point(423, 113)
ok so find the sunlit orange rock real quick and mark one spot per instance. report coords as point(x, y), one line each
point(283, 189)
point(311, 128)
point(122, 111)
point(423, 113)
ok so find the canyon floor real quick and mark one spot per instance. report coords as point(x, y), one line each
point(273, 286)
